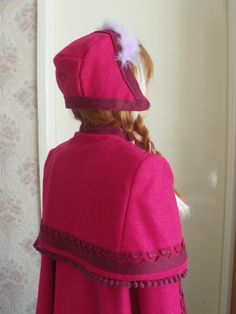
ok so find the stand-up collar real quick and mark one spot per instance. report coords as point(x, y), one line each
point(103, 129)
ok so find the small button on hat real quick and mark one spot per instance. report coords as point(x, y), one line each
point(93, 72)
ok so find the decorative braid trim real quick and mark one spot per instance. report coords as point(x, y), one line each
point(109, 281)
point(133, 257)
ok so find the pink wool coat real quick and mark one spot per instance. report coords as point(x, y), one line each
point(110, 236)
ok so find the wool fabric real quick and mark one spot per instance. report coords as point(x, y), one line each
point(110, 236)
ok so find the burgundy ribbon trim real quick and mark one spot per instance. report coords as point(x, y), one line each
point(127, 263)
point(104, 104)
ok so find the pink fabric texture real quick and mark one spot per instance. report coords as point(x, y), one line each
point(90, 76)
point(110, 234)
point(72, 293)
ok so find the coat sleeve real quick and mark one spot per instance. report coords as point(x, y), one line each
point(152, 225)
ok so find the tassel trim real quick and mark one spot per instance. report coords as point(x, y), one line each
point(109, 281)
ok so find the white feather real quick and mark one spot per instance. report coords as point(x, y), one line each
point(128, 42)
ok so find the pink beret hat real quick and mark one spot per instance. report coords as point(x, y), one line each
point(93, 72)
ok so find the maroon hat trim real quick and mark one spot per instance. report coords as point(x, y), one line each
point(104, 104)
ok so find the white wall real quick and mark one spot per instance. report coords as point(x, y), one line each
point(187, 41)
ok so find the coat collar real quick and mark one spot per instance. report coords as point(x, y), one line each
point(103, 129)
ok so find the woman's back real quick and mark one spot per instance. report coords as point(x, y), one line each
point(110, 234)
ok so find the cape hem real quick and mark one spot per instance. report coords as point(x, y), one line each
point(109, 281)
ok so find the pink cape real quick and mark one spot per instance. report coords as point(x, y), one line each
point(110, 233)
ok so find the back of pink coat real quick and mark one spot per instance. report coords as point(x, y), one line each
point(110, 234)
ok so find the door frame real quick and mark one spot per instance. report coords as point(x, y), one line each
point(45, 82)
point(230, 199)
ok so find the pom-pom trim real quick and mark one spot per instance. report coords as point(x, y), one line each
point(59, 244)
point(109, 281)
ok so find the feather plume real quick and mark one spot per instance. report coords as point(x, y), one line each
point(130, 48)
